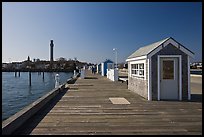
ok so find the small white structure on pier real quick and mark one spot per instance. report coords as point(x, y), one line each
point(112, 74)
point(57, 80)
point(82, 73)
point(74, 73)
point(98, 70)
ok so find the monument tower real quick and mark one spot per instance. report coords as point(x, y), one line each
point(51, 54)
point(51, 51)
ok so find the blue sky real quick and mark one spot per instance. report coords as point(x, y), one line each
point(90, 30)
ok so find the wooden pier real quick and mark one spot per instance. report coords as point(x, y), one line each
point(88, 108)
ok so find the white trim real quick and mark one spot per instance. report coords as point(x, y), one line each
point(172, 42)
point(180, 78)
point(149, 80)
point(158, 77)
point(180, 73)
point(176, 44)
point(102, 69)
point(174, 66)
point(154, 51)
point(136, 76)
point(137, 58)
point(189, 86)
point(186, 51)
point(129, 72)
point(174, 69)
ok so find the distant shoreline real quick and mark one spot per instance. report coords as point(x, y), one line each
point(37, 70)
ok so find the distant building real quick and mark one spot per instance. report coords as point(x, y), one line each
point(39, 66)
point(4, 65)
point(47, 66)
point(17, 65)
point(36, 60)
point(199, 66)
point(28, 58)
point(196, 65)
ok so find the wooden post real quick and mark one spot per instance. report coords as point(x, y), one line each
point(43, 75)
point(15, 73)
point(19, 73)
point(29, 78)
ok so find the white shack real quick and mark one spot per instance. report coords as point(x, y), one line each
point(160, 71)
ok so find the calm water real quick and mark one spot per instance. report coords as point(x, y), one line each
point(16, 92)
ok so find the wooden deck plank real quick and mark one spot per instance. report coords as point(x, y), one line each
point(86, 109)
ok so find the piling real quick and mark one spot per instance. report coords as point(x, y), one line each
point(19, 73)
point(29, 78)
point(15, 73)
point(43, 75)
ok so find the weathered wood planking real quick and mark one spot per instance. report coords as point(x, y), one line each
point(86, 109)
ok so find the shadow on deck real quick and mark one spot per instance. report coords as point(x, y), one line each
point(27, 128)
point(196, 97)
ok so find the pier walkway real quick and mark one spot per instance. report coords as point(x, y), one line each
point(96, 105)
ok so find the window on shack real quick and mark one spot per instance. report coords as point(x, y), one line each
point(137, 70)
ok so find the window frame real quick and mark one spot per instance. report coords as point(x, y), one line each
point(174, 67)
point(137, 69)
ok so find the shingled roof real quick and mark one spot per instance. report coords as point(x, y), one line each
point(147, 49)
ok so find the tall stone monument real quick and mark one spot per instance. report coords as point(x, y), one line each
point(51, 52)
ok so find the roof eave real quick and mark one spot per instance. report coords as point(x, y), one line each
point(136, 58)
